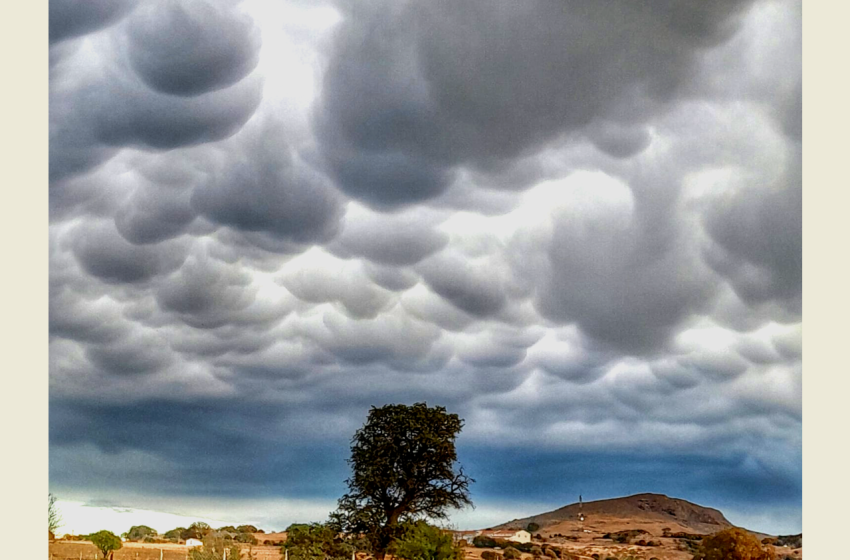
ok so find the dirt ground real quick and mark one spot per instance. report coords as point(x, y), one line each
point(84, 550)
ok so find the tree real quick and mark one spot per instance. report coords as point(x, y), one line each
point(54, 519)
point(733, 544)
point(532, 527)
point(403, 462)
point(139, 533)
point(216, 547)
point(197, 530)
point(175, 534)
point(315, 541)
point(421, 541)
point(105, 541)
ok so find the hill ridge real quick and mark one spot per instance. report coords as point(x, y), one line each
point(636, 510)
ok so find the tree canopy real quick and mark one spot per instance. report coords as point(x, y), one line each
point(403, 469)
point(139, 532)
point(105, 541)
point(197, 530)
point(54, 520)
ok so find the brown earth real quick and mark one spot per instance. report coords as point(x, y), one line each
point(85, 550)
point(651, 512)
point(657, 514)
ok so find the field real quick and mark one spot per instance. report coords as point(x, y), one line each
point(84, 550)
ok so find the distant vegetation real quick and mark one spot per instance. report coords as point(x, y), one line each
point(315, 541)
point(106, 542)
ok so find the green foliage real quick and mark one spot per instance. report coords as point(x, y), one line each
point(139, 533)
point(421, 541)
point(512, 554)
point(532, 527)
point(216, 547)
point(247, 529)
point(733, 544)
point(228, 529)
point(483, 541)
point(105, 541)
point(316, 541)
point(54, 519)
point(624, 536)
point(247, 538)
point(402, 463)
point(175, 534)
point(490, 555)
point(197, 530)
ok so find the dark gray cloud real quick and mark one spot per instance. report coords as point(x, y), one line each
point(411, 90)
point(760, 234)
point(73, 18)
point(578, 225)
point(185, 47)
point(269, 190)
point(104, 254)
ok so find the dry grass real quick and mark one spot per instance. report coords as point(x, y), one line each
point(84, 550)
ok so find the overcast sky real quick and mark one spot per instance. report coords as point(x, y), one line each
point(575, 224)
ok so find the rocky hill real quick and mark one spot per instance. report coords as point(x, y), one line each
point(651, 512)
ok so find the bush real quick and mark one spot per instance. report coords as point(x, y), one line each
point(512, 554)
point(482, 541)
point(421, 541)
point(490, 555)
point(532, 527)
point(536, 551)
point(733, 544)
point(315, 541)
point(216, 547)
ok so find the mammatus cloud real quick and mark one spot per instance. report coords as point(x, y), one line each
point(575, 224)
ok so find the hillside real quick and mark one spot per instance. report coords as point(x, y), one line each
point(650, 512)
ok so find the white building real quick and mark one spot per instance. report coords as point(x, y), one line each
point(191, 543)
point(521, 536)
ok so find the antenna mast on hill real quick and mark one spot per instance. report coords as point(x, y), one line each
point(580, 514)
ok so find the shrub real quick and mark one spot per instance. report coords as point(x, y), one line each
point(216, 547)
point(421, 541)
point(490, 555)
point(733, 544)
point(531, 527)
point(482, 541)
point(536, 551)
point(315, 541)
point(245, 538)
point(512, 554)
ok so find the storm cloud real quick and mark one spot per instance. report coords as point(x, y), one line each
point(576, 224)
